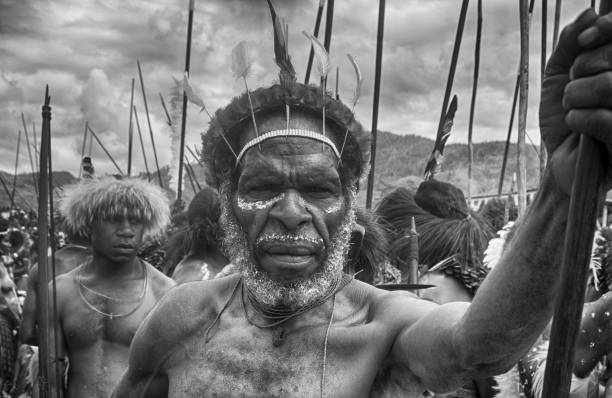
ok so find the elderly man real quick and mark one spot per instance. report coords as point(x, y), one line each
point(292, 324)
point(101, 303)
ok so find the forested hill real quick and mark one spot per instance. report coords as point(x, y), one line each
point(400, 161)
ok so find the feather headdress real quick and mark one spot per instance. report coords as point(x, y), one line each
point(323, 64)
point(90, 201)
point(437, 155)
point(356, 94)
point(241, 66)
point(281, 50)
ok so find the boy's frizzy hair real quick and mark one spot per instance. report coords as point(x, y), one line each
point(89, 201)
point(228, 123)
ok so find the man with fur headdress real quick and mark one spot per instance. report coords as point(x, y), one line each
point(291, 323)
point(101, 303)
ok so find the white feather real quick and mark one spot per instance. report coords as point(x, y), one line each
point(241, 62)
point(359, 78)
point(323, 65)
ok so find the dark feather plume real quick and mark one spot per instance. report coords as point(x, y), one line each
point(437, 155)
point(281, 52)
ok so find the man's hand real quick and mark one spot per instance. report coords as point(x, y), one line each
point(577, 94)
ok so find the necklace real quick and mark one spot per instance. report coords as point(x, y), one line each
point(277, 316)
point(111, 315)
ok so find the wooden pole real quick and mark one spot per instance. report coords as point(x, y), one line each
point(193, 174)
point(25, 131)
point(377, 78)
point(585, 205)
point(36, 151)
point(130, 132)
point(197, 159)
point(191, 183)
point(105, 150)
point(53, 246)
point(144, 154)
point(15, 176)
point(329, 23)
point(523, 103)
point(83, 147)
point(315, 34)
point(556, 25)
point(512, 113)
point(45, 364)
point(168, 118)
point(473, 102)
point(179, 191)
point(144, 97)
point(542, 69)
point(337, 81)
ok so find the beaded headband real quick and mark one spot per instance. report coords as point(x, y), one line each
point(313, 135)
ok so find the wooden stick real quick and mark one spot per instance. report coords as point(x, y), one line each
point(315, 34)
point(15, 176)
point(144, 97)
point(105, 151)
point(36, 151)
point(83, 148)
point(473, 101)
point(556, 25)
point(375, 101)
point(542, 70)
point(197, 159)
point(144, 154)
point(329, 23)
point(168, 118)
point(25, 131)
point(523, 103)
point(337, 81)
point(191, 183)
point(130, 132)
point(179, 191)
point(584, 208)
point(190, 168)
point(45, 363)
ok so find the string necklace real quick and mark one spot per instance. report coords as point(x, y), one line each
point(276, 316)
point(111, 315)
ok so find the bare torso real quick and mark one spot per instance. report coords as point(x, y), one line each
point(240, 359)
point(97, 344)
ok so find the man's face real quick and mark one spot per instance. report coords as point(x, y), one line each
point(117, 238)
point(291, 209)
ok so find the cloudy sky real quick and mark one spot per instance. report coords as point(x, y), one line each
point(87, 50)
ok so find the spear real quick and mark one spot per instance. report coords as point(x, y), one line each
point(585, 205)
point(179, 190)
point(144, 97)
point(542, 69)
point(473, 102)
point(315, 34)
point(556, 25)
point(43, 245)
point(195, 156)
point(105, 150)
point(130, 133)
point(191, 183)
point(377, 78)
point(329, 21)
point(15, 176)
point(191, 173)
point(36, 152)
point(83, 146)
point(25, 130)
point(144, 154)
point(521, 168)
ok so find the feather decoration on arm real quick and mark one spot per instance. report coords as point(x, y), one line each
point(437, 155)
point(281, 51)
point(241, 66)
point(356, 95)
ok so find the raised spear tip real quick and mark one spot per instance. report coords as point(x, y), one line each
point(47, 97)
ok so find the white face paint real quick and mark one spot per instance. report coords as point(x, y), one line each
point(251, 205)
point(334, 208)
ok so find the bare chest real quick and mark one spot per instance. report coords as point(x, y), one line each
point(88, 319)
point(242, 360)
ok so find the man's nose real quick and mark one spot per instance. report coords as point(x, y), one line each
point(291, 211)
point(125, 228)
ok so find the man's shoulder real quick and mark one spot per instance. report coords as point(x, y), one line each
point(159, 281)
point(387, 305)
point(189, 306)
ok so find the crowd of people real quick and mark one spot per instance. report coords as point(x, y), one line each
point(275, 282)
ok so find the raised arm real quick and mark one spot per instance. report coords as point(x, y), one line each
point(454, 343)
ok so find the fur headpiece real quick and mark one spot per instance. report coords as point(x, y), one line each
point(90, 201)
